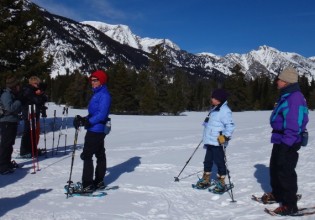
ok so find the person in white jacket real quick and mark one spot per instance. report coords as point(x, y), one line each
point(218, 130)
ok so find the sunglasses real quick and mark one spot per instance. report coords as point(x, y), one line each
point(94, 80)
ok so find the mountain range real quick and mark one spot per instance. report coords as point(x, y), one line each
point(92, 44)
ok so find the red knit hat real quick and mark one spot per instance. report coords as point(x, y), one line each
point(100, 75)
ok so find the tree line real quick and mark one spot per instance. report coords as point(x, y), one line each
point(150, 93)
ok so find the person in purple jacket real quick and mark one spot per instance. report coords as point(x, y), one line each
point(288, 120)
point(94, 123)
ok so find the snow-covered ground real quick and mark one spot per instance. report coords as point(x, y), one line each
point(144, 154)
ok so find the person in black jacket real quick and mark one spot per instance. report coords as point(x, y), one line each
point(32, 94)
point(9, 123)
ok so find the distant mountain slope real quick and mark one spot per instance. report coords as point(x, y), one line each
point(91, 44)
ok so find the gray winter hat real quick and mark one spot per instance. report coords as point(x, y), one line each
point(289, 75)
point(11, 81)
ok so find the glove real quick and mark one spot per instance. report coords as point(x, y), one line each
point(86, 122)
point(222, 139)
point(78, 121)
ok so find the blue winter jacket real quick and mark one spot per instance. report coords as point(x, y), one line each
point(11, 105)
point(99, 107)
point(220, 120)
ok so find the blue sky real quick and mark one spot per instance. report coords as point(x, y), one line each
point(214, 26)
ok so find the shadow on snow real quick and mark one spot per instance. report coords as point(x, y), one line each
point(125, 167)
point(8, 204)
point(262, 176)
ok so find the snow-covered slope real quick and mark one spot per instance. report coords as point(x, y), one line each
point(143, 160)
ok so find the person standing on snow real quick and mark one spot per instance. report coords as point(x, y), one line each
point(32, 94)
point(288, 119)
point(9, 124)
point(98, 109)
point(218, 130)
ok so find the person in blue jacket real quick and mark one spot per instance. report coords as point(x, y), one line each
point(218, 130)
point(94, 123)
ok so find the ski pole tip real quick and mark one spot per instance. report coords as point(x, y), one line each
point(176, 179)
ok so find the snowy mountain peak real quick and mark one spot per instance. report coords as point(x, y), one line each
point(123, 35)
point(120, 33)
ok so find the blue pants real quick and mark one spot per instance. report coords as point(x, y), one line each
point(214, 154)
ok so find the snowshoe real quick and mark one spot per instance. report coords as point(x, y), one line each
point(218, 188)
point(15, 165)
point(24, 156)
point(204, 182)
point(7, 171)
point(78, 190)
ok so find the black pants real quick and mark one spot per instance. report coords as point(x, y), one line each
point(8, 135)
point(283, 178)
point(93, 145)
point(214, 154)
point(26, 142)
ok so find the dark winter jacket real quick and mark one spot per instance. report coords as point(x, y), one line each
point(11, 105)
point(289, 117)
point(98, 109)
point(30, 97)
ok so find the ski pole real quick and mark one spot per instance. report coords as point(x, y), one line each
point(60, 129)
point(176, 178)
point(66, 132)
point(31, 123)
point(72, 158)
point(44, 119)
point(53, 142)
point(228, 172)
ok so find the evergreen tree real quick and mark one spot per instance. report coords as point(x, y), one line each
point(146, 94)
point(159, 73)
point(261, 93)
point(305, 86)
point(178, 93)
point(76, 93)
point(122, 87)
point(59, 86)
point(200, 95)
point(236, 85)
point(311, 99)
point(21, 34)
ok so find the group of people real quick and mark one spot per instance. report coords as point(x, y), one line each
point(288, 121)
point(15, 100)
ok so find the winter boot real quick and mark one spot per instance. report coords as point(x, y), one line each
point(268, 198)
point(99, 186)
point(204, 182)
point(285, 210)
point(14, 165)
point(81, 188)
point(220, 184)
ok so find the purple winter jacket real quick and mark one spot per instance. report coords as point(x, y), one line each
point(289, 117)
